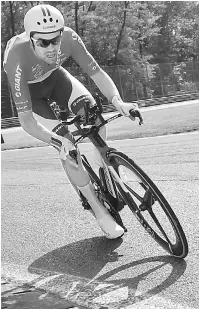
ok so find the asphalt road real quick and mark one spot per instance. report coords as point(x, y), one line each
point(48, 237)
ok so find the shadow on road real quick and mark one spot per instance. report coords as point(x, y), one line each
point(149, 268)
point(86, 258)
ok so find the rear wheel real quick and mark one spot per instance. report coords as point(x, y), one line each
point(149, 205)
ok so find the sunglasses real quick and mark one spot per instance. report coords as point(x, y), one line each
point(45, 43)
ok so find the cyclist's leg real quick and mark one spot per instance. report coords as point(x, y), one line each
point(40, 93)
point(77, 173)
point(64, 89)
point(44, 115)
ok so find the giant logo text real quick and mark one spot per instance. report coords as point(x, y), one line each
point(17, 81)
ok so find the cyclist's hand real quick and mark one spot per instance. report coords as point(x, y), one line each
point(127, 107)
point(63, 145)
point(124, 108)
point(130, 110)
point(66, 147)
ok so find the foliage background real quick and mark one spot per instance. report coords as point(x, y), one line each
point(149, 48)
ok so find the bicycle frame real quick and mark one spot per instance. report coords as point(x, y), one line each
point(93, 135)
point(92, 132)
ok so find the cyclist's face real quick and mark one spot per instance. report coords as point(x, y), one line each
point(44, 49)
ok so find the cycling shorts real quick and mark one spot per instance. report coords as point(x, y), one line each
point(61, 87)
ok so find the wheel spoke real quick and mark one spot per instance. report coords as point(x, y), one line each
point(134, 193)
point(146, 205)
point(153, 216)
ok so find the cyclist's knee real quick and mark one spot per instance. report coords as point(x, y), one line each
point(81, 103)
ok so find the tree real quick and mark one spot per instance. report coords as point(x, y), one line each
point(134, 41)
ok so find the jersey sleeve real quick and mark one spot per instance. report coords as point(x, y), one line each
point(13, 66)
point(81, 55)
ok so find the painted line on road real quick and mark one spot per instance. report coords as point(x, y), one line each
point(86, 292)
point(144, 109)
point(166, 136)
point(169, 105)
point(195, 135)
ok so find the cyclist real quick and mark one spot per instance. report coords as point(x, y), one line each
point(32, 61)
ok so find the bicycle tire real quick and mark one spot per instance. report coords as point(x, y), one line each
point(178, 249)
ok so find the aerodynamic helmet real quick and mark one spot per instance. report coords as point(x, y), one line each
point(43, 18)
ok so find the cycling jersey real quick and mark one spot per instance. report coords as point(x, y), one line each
point(24, 68)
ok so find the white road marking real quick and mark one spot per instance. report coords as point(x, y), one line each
point(169, 105)
point(144, 109)
point(139, 140)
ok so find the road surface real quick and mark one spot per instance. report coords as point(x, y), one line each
point(48, 237)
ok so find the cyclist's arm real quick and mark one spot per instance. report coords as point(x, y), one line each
point(91, 67)
point(107, 87)
point(34, 128)
point(21, 96)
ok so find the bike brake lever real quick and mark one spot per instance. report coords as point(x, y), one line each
point(136, 114)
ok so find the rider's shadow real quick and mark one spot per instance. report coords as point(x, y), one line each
point(148, 271)
point(87, 258)
point(84, 258)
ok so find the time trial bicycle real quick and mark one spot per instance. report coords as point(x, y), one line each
point(121, 183)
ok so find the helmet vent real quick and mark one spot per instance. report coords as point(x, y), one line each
point(45, 20)
point(51, 19)
point(38, 23)
point(56, 20)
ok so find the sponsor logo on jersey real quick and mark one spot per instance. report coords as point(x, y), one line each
point(22, 106)
point(83, 98)
point(58, 58)
point(37, 71)
point(18, 81)
point(61, 57)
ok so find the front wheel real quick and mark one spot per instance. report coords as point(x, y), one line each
point(149, 205)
